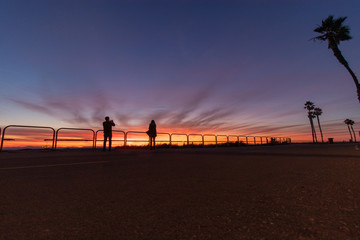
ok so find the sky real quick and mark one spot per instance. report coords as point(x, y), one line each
point(222, 67)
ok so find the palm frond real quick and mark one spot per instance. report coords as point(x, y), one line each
point(309, 105)
point(319, 29)
point(348, 121)
point(339, 21)
point(333, 30)
point(317, 111)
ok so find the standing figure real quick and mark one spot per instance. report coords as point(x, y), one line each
point(152, 134)
point(108, 124)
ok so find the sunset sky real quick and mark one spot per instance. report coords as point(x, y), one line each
point(225, 67)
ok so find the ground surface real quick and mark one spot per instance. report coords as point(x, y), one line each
point(255, 192)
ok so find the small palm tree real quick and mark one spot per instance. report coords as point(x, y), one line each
point(349, 123)
point(333, 31)
point(317, 113)
point(310, 107)
point(351, 126)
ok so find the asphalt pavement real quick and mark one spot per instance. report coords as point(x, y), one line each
point(294, 191)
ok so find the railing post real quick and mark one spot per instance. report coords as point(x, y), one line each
point(169, 137)
point(2, 138)
point(96, 134)
point(56, 138)
point(125, 139)
point(53, 140)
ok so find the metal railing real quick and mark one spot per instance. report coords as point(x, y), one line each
point(209, 135)
point(133, 132)
point(24, 126)
point(146, 140)
point(243, 139)
point(75, 139)
point(164, 141)
point(194, 135)
point(112, 140)
point(233, 136)
point(258, 139)
point(178, 134)
point(219, 141)
point(190, 139)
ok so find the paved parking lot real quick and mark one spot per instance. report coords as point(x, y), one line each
point(255, 192)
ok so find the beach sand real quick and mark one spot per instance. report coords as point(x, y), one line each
point(299, 191)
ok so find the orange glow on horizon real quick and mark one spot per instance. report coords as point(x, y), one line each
point(42, 138)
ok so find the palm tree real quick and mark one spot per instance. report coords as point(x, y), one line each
point(349, 123)
point(333, 31)
point(310, 107)
point(317, 113)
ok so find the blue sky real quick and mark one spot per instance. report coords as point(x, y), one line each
point(237, 67)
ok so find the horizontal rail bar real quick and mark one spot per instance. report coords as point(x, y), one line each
point(137, 140)
point(113, 140)
point(76, 140)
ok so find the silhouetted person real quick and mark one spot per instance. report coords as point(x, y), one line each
point(152, 134)
point(108, 124)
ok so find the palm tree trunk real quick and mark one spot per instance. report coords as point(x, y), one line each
point(322, 138)
point(350, 133)
point(356, 81)
point(312, 129)
point(354, 133)
point(342, 60)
